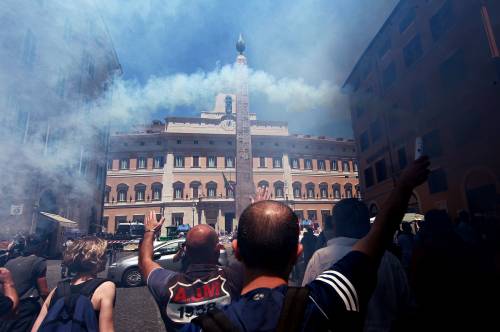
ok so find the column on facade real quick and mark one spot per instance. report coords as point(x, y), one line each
point(168, 178)
point(220, 221)
point(203, 219)
point(287, 177)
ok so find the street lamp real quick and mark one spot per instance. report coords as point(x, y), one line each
point(194, 208)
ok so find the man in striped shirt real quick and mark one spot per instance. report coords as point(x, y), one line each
point(267, 244)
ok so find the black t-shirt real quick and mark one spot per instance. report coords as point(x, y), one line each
point(25, 271)
point(5, 305)
point(183, 296)
point(337, 300)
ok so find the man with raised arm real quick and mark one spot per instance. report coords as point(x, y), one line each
point(204, 285)
point(267, 244)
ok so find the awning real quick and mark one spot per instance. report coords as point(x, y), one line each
point(61, 220)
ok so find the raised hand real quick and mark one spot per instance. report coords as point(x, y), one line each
point(416, 174)
point(151, 224)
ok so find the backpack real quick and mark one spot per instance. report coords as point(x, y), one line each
point(291, 316)
point(72, 312)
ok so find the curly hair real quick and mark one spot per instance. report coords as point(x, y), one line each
point(86, 255)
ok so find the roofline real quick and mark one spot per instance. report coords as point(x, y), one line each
point(386, 22)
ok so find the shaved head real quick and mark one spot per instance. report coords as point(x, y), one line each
point(268, 236)
point(202, 245)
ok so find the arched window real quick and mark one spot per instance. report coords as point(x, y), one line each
point(297, 189)
point(121, 191)
point(156, 188)
point(323, 190)
point(107, 190)
point(178, 190)
point(263, 184)
point(279, 189)
point(336, 191)
point(310, 190)
point(195, 187)
point(140, 192)
point(212, 189)
point(348, 190)
point(230, 189)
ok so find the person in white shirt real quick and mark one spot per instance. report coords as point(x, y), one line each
point(390, 301)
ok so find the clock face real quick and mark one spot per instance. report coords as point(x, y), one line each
point(228, 124)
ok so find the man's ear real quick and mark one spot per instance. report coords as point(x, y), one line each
point(236, 249)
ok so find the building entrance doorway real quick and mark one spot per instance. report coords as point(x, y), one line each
point(228, 225)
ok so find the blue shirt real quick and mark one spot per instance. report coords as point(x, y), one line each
point(337, 300)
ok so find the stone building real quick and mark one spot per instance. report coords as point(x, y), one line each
point(56, 58)
point(432, 70)
point(185, 168)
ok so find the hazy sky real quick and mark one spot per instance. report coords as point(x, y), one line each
point(307, 44)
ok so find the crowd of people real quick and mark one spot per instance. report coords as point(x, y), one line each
point(442, 277)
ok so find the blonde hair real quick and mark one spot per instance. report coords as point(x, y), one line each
point(87, 255)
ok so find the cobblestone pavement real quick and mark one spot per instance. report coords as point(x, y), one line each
point(135, 309)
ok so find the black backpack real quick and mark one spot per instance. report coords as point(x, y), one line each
point(72, 312)
point(291, 316)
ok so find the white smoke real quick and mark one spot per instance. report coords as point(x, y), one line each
point(199, 89)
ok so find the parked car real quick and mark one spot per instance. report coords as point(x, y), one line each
point(125, 271)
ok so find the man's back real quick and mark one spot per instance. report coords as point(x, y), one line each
point(391, 295)
point(336, 301)
point(183, 296)
point(25, 271)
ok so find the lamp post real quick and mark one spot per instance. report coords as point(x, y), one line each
point(194, 208)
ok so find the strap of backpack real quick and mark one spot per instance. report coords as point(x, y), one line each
point(292, 312)
point(215, 321)
point(90, 287)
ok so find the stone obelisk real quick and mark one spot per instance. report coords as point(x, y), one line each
point(244, 163)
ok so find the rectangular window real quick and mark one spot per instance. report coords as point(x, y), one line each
point(158, 162)
point(321, 165)
point(369, 180)
point(376, 130)
point(196, 161)
point(229, 162)
point(195, 192)
point(432, 144)
point(310, 192)
point(141, 162)
point(211, 192)
point(364, 141)
point(262, 162)
point(334, 165)
point(437, 181)
point(408, 19)
point(389, 75)
point(279, 192)
point(345, 166)
point(179, 161)
point(122, 196)
point(120, 220)
point(211, 162)
point(177, 219)
point(380, 170)
point(124, 163)
point(296, 192)
point(402, 158)
point(139, 195)
point(157, 193)
point(308, 164)
point(178, 192)
point(311, 215)
point(442, 21)
point(323, 192)
point(299, 214)
point(295, 163)
point(453, 69)
point(109, 165)
point(355, 164)
point(277, 162)
point(412, 51)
